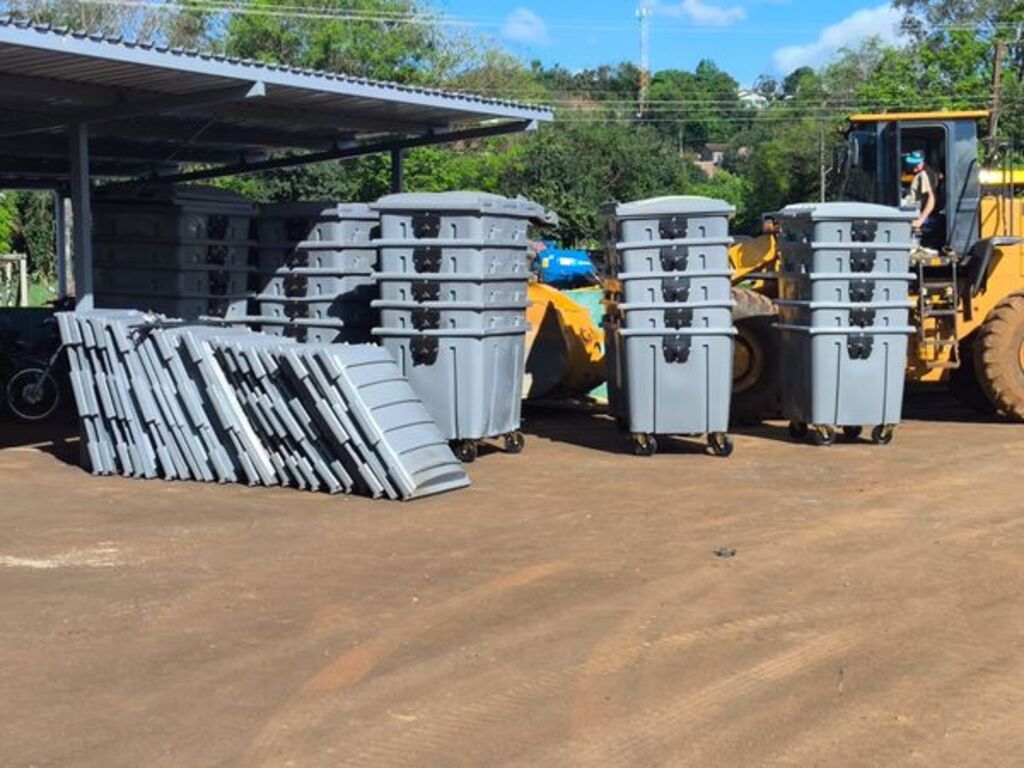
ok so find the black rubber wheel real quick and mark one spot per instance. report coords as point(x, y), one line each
point(797, 430)
point(883, 434)
point(822, 435)
point(720, 444)
point(465, 451)
point(999, 356)
point(32, 395)
point(514, 442)
point(757, 375)
point(852, 433)
point(645, 445)
point(964, 384)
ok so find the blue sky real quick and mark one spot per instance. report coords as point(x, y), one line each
point(744, 37)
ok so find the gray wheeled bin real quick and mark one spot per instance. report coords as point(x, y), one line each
point(668, 325)
point(453, 276)
point(844, 318)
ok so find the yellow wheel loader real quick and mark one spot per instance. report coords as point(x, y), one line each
point(969, 290)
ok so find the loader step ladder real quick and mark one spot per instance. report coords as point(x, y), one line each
point(938, 338)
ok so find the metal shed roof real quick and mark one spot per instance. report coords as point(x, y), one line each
point(150, 108)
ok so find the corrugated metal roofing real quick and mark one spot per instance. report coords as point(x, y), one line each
point(50, 76)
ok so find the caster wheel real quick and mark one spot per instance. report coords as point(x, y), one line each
point(720, 444)
point(514, 442)
point(797, 430)
point(465, 451)
point(644, 445)
point(822, 435)
point(852, 433)
point(883, 434)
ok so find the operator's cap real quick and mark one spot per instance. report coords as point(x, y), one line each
point(913, 158)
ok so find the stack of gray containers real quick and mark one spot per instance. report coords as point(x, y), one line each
point(668, 326)
point(181, 251)
point(454, 271)
point(844, 318)
point(162, 399)
point(315, 271)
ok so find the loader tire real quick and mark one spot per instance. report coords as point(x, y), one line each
point(756, 374)
point(999, 356)
point(963, 382)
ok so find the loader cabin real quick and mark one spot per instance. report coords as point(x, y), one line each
point(875, 172)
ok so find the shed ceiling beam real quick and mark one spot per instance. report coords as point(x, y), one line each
point(148, 106)
point(342, 153)
point(174, 127)
point(111, 149)
point(83, 93)
point(331, 120)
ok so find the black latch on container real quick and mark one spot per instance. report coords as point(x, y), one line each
point(424, 350)
point(296, 332)
point(298, 229)
point(427, 259)
point(673, 227)
point(293, 311)
point(859, 346)
point(297, 258)
point(862, 318)
point(217, 227)
point(217, 307)
point(217, 255)
point(863, 230)
point(295, 286)
point(862, 260)
point(674, 258)
point(219, 283)
point(676, 349)
point(426, 290)
point(862, 290)
point(426, 224)
point(426, 319)
point(678, 318)
point(675, 289)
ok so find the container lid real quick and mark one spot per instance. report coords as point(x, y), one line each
point(321, 209)
point(173, 195)
point(685, 205)
point(480, 202)
point(845, 211)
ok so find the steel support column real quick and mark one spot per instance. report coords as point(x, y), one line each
point(397, 170)
point(60, 244)
point(81, 205)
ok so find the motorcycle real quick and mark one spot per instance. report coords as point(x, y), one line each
point(33, 380)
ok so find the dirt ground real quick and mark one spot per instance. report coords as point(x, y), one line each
point(568, 609)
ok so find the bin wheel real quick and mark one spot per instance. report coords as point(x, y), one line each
point(797, 430)
point(852, 433)
point(823, 435)
point(883, 434)
point(720, 444)
point(465, 451)
point(514, 442)
point(644, 445)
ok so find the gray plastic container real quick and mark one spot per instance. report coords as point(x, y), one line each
point(187, 308)
point(210, 281)
point(349, 260)
point(441, 315)
point(691, 315)
point(173, 214)
point(463, 215)
point(657, 287)
point(451, 257)
point(317, 284)
point(877, 316)
point(317, 310)
point(856, 258)
point(670, 256)
point(120, 253)
point(843, 376)
point(828, 225)
point(677, 217)
point(670, 382)
point(495, 289)
point(327, 236)
point(471, 382)
point(844, 288)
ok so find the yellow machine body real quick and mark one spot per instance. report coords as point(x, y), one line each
point(564, 346)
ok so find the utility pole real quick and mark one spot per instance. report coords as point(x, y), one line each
point(643, 15)
point(821, 162)
point(997, 86)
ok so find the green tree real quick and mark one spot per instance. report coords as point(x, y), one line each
point(8, 215)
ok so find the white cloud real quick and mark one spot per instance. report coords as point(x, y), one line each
point(701, 12)
point(526, 27)
point(883, 22)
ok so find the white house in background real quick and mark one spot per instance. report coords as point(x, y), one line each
point(752, 99)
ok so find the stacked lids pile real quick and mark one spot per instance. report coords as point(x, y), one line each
point(844, 317)
point(453, 277)
point(181, 251)
point(668, 325)
point(315, 263)
point(161, 399)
